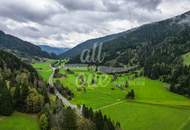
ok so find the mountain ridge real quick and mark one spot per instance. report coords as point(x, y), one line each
point(20, 47)
point(90, 44)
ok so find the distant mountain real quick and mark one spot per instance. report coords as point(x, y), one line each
point(54, 50)
point(89, 44)
point(19, 47)
point(131, 47)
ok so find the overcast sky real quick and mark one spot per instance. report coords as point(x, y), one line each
point(66, 23)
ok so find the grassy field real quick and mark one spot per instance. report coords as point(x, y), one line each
point(44, 69)
point(154, 91)
point(146, 90)
point(154, 108)
point(186, 59)
point(105, 96)
point(19, 121)
point(140, 116)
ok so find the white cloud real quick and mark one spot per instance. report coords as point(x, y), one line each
point(66, 23)
point(173, 7)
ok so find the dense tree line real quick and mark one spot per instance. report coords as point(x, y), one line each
point(21, 98)
point(6, 100)
point(131, 94)
point(177, 75)
point(165, 62)
point(66, 92)
point(102, 122)
point(180, 80)
point(59, 117)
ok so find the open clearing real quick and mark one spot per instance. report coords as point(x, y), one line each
point(43, 69)
point(19, 121)
point(186, 59)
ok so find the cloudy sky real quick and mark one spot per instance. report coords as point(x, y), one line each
point(66, 23)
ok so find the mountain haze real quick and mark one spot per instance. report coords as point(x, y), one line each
point(55, 50)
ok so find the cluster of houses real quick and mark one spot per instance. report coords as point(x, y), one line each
point(104, 69)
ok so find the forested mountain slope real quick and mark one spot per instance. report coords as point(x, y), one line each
point(20, 47)
point(20, 86)
point(136, 45)
point(89, 44)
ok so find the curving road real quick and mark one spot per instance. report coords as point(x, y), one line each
point(58, 94)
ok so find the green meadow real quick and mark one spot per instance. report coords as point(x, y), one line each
point(142, 116)
point(43, 68)
point(154, 106)
point(19, 121)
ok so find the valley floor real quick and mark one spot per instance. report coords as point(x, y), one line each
point(154, 107)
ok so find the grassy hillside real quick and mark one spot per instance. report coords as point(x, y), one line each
point(19, 121)
point(186, 59)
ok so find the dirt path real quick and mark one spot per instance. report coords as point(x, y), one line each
point(106, 106)
point(145, 103)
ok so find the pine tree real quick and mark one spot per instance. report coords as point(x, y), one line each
point(17, 96)
point(69, 120)
point(6, 102)
point(44, 122)
point(126, 84)
point(22, 106)
point(132, 94)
